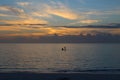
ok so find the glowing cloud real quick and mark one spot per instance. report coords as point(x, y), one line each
point(40, 14)
point(25, 18)
point(89, 21)
point(61, 11)
point(25, 21)
point(45, 31)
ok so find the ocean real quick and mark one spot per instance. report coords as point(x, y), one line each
point(50, 58)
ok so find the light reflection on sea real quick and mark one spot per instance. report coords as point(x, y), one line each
point(50, 58)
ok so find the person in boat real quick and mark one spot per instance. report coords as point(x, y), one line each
point(64, 48)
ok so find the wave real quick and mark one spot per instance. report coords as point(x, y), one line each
point(59, 71)
point(91, 70)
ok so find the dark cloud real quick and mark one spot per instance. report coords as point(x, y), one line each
point(96, 26)
point(98, 38)
point(19, 24)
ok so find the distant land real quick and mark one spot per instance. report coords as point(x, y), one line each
point(88, 38)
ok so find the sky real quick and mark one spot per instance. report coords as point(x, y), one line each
point(48, 17)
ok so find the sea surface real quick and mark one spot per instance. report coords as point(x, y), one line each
point(45, 58)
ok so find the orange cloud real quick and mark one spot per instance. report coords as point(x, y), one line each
point(61, 11)
point(25, 21)
point(23, 35)
point(7, 28)
point(3, 15)
point(43, 31)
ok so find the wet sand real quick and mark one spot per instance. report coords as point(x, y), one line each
point(57, 76)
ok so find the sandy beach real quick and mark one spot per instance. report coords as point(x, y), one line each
point(57, 76)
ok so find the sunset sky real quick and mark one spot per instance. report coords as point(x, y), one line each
point(27, 17)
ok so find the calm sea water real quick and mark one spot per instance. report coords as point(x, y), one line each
point(50, 58)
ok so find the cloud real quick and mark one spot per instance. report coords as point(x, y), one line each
point(12, 29)
point(25, 21)
point(3, 15)
point(23, 3)
point(16, 11)
point(22, 19)
point(98, 12)
point(95, 26)
point(40, 14)
point(9, 15)
point(4, 8)
point(62, 11)
point(55, 8)
point(112, 12)
point(77, 31)
point(50, 30)
point(92, 13)
point(90, 21)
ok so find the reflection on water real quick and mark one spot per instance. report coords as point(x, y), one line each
point(50, 57)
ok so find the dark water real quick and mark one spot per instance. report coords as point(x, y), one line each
point(50, 57)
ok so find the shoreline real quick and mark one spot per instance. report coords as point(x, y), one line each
point(57, 76)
